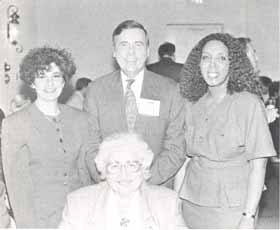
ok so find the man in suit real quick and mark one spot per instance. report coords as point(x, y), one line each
point(167, 66)
point(160, 115)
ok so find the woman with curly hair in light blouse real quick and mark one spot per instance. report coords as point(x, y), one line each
point(44, 145)
point(227, 136)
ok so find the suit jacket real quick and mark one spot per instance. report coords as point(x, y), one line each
point(164, 133)
point(43, 161)
point(167, 67)
point(85, 208)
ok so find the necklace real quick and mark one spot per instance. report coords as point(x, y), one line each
point(51, 118)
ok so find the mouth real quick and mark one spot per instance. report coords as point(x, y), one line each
point(50, 90)
point(213, 75)
point(124, 183)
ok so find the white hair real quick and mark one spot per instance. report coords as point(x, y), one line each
point(120, 142)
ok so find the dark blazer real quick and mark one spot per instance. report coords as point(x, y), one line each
point(164, 133)
point(167, 67)
point(43, 161)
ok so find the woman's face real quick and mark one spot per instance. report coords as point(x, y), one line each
point(214, 63)
point(49, 83)
point(124, 172)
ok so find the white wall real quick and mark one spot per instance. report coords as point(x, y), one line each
point(27, 37)
point(85, 27)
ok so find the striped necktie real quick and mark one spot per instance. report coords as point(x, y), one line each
point(130, 105)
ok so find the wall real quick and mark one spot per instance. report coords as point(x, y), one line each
point(27, 37)
point(263, 28)
point(85, 27)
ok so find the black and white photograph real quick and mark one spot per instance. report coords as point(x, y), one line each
point(139, 114)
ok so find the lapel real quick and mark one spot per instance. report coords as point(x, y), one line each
point(117, 96)
point(150, 219)
point(150, 87)
point(97, 213)
point(39, 121)
point(150, 90)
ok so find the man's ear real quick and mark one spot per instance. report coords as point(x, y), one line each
point(114, 51)
point(148, 51)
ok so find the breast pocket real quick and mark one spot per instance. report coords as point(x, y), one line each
point(228, 138)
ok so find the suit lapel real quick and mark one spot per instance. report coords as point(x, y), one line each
point(117, 95)
point(150, 88)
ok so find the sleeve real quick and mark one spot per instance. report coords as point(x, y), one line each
point(66, 221)
point(4, 216)
point(90, 106)
point(180, 223)
point(84, 172)
point(258, 137)
point(168, 162)
point(16, 171)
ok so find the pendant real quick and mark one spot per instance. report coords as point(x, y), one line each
point(124, 222)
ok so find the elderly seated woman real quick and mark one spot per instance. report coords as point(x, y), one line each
point(124, 200)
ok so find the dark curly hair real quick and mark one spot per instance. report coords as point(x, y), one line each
point(39, 59)
point(241, 73)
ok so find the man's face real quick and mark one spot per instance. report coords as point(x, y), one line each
point(131, 51)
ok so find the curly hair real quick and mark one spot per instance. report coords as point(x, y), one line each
point(39, 59)
point(241, 74)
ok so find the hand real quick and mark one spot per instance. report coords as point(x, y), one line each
point(246, 222)
point(271, 113)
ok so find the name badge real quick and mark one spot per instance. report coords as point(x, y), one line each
point(148, 107)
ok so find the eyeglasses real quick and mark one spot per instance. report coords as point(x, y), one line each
point(130, 167)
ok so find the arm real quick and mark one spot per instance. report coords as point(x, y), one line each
point(66, 218)
point(180, 223)
point(259, 147)
point(172, 157)
point(254, 192)
point(5, 219)
point(15, 157)
point(94, 139)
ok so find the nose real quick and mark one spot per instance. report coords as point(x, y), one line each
point(50, 81)
point(123, 171)
point(212, 63)
point(131, 50)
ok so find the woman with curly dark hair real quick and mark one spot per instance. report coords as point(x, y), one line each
point(227, 136)
point(44, 144)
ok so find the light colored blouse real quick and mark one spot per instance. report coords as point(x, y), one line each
point(43, 160)
point(221, 141)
